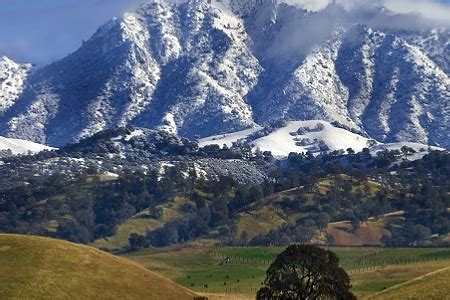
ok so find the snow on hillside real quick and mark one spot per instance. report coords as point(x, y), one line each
point(133, 134)
point(296, 136)
point(227, 139)
point(312, 136)
point(420, 149)
point(21, 146)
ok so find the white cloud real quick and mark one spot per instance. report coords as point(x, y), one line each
point(316, 5)
point(427, 8)
point(431, 9)
point(313, 5)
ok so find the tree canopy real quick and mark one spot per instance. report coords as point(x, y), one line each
point(306, 272)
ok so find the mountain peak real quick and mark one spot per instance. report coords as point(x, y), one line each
point(5, 59)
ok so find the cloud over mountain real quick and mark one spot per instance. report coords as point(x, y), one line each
point(431, 9)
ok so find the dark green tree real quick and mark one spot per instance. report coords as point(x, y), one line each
point(137, 241)
point(306, 272)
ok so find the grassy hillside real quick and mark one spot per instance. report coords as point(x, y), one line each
point(271, 213)
point(140, 223)
point(41, 268)
point(119, 241)
point(259, 218)
point(435, 285)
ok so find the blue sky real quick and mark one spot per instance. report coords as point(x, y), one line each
point(41, 31)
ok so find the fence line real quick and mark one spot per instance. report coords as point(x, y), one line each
point(367, 262)
point(240, 258)
point(396, 262)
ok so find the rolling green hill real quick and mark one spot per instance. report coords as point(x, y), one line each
point(42, 268)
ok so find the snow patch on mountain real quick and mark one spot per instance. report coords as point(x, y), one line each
point(296, 136)
point(420, 149)
point(17, 146)
point(314, 136)
point(435, 43)
point(228, 139)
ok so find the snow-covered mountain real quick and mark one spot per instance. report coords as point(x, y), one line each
point(206, 67)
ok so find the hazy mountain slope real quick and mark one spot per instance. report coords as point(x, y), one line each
point(195, 68)
point(360, 76)
point(400, 94)
point(435, 43)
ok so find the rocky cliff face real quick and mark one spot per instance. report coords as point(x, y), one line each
point(206, 67)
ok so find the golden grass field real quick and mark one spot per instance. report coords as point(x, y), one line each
point(435, 285)
point(370, 282)
point(42, 268)
point(212, 296)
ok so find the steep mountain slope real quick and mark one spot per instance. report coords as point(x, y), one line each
point(204, 67)
point(40, 268)
point(435, 43)
point(12, 77)
point(406, 93)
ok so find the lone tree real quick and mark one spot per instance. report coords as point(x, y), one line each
point(306, 272)
point(137, 241)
